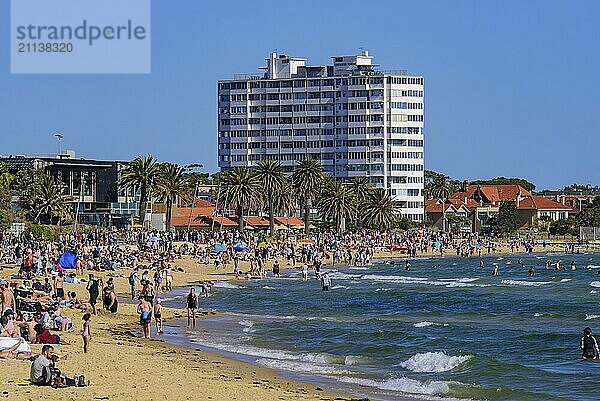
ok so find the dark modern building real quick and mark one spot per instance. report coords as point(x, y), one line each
point(92, 184)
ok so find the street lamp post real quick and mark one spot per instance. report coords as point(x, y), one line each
point(59, 136)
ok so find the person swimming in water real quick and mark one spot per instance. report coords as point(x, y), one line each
point(589, 345)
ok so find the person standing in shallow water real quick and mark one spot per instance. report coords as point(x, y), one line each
point(145, 311)
point(192, 305)
point(589, 345)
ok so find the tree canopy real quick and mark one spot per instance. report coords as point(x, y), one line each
point(507, 181)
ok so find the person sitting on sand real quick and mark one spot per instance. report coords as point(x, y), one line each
point(42, 373)
point(14, 353)
point(43, 336)
point(45, 373)
point(11, 328)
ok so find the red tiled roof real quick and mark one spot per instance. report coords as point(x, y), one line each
point(494, 193)
point(541, 203)
point(436, 206)
point(256, 221)
point(225, 221)
point(292, 221)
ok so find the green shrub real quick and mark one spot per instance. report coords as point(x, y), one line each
point(5, 220)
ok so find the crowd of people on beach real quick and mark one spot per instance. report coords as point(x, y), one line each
point(33, 300)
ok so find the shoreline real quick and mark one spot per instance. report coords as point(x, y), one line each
point(121, 364)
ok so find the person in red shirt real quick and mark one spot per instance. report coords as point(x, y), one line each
point(43, 336)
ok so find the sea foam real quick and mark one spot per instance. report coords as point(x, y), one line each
point(224, 284)
point(433, 362)
point(402, 384)
point(525, 283)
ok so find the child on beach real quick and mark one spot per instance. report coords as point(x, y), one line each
point(158, 316)
point(86, 333)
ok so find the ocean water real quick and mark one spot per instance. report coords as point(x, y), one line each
point(446, 329)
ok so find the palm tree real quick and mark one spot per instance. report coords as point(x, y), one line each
point(239, 186)
point(441, 188)
point(49, 198)
point(337, 203)
point(307, 179)
point(172, 182)
point(361, 187)
point(141, 173)
point(269, 174)
point(379, 210)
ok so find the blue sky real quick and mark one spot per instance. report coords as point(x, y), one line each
point(512, 87)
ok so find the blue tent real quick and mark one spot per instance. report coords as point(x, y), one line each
point(68, 260)
point(219, 248)
point(240, 246)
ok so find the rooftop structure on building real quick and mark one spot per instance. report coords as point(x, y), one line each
point(354, 118)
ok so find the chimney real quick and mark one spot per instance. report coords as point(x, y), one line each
point(465, 185)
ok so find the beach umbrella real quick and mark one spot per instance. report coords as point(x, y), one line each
point(219, 248)
point(68, 260)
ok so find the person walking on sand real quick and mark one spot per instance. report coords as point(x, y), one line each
point(192, 305)
point(145, 310)
point(133, 280)
point(93, 287)
point(158, 316)
point(86, 333)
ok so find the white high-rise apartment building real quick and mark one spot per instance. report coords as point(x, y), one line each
point(355, 119)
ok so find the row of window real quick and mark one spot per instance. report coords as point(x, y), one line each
point(405, 93)
point(300, 83)
point(406, 155)
point(404, 130)
point(405, 80)
point(242, 97)
point(322, 143)
point(405, 180)
point(406, 167)
point(406, 192)
point(310, 132)
point(406, 142)
point(402, 118)
point(406, 105)
point(290, 108)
